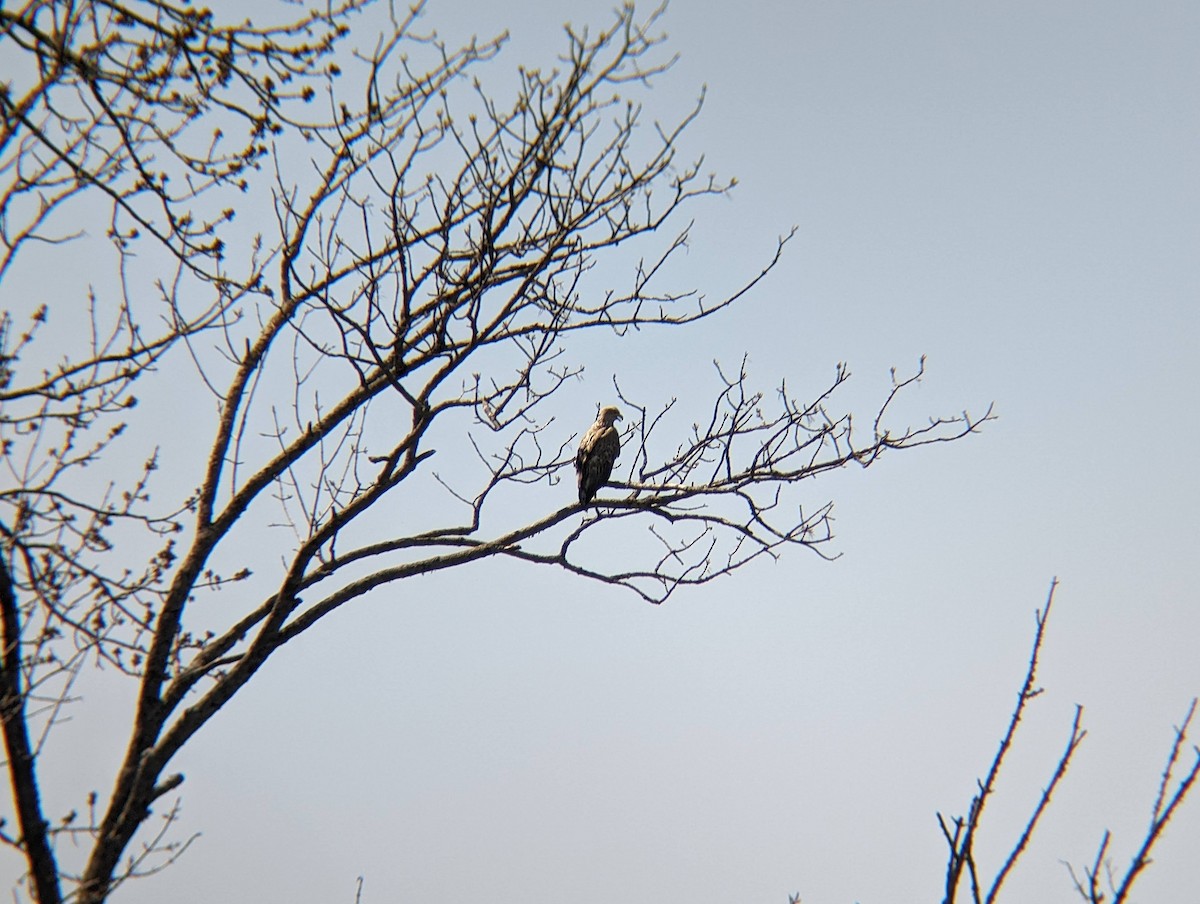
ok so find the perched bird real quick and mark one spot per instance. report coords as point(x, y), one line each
point(598, 450)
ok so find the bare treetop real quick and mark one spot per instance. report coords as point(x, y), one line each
point(353, 264)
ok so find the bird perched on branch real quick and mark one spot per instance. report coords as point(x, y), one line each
point(598, 450)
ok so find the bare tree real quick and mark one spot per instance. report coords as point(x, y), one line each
point(962, 866)
point(1168, 799)
point(429, 255)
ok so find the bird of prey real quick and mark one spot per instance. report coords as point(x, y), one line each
point(598, 450)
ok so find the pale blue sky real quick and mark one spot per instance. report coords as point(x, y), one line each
point(1014, 191)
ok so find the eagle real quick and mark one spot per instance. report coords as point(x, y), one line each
point(598, 450)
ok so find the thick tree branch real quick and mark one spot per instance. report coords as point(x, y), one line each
point(34, 840)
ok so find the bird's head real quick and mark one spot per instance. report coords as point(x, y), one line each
point(608, 415)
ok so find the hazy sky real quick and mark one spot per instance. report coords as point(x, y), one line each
point(1010, 189)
